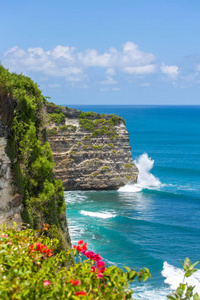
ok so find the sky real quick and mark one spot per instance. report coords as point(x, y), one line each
point(113, 52)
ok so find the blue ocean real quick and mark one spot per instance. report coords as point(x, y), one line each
point(155, 222)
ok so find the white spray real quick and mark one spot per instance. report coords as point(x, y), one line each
point(146, 180)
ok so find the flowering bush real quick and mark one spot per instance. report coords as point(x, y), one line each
point(31, 268)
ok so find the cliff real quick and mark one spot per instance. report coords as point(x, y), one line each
point(41, 143)
point(28, 188)
point(11, 201)
point(91, 151)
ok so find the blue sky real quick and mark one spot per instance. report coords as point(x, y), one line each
point(105, 52)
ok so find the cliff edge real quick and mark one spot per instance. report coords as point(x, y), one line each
point(91, 151)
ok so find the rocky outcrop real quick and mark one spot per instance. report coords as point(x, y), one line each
point(87, 158)
point(10, 201)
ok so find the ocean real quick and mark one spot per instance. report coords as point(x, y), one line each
point(155, 222)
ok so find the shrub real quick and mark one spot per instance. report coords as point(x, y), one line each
point(32, 268)
point(52, 131)
point(56, 117)
point(128, 166)
point(31, 156)
point(66, 127)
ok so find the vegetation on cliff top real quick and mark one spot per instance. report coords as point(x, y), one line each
point(103, 126)
point(31, 156)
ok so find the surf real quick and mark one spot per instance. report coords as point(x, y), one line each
point(146, 180)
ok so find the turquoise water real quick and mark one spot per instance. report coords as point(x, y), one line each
point(156, 222)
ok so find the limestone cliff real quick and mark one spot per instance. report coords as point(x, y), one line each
point(91, 151)
point(11, 202)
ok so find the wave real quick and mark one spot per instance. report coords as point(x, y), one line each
point(101, 215)
point(174, 276)
point(147, 292)
point(146, 180)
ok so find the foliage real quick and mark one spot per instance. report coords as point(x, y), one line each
point(67, 127)
point(31, 157)
point(52, 131)
point(111, 145)
point(86, 115)
point(103, 126)
point(185, 292)
point(31, 268)
point(57, 118)
point(128, 166)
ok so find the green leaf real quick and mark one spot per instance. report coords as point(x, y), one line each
point(196, 297)
point(132, 275)
point(171, 298)
point(190, 272)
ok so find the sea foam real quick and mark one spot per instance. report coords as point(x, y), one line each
point(102, 215)
point(146, 180)
point(174, 276)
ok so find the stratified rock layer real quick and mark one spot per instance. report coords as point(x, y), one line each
point(85, 162)
point(10, 200)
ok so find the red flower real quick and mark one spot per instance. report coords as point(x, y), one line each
point(75, 282)
point(84, 247)
point(80, 242)
point(46, 282)
point(81, 293)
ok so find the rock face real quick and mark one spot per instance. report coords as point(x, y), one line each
point(86, 159)
point(11, 202)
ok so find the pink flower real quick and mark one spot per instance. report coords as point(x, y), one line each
point(99, 275)
point(98, 257)
point(9, 243)
point(93, 269)
point(46, 282)
point(5, 236)
point(100, 263)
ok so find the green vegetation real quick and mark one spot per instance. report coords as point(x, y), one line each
point(114, 151)
point(111, 145)
point(93, 146)
point(86, 115)
point(99, 126)
point(105, 168)
point(128, 177)
point(52, 131)
point(32, 268)
point(31, 156)
point(128, 166)
point(57, 118)
point(185, 291)
point(67, 127)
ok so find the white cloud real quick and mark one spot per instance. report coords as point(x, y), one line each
point(128, 63)
point(172, 72)
point(148, 69)
point(62, 61)
point(109, 81)
point(111, 72)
